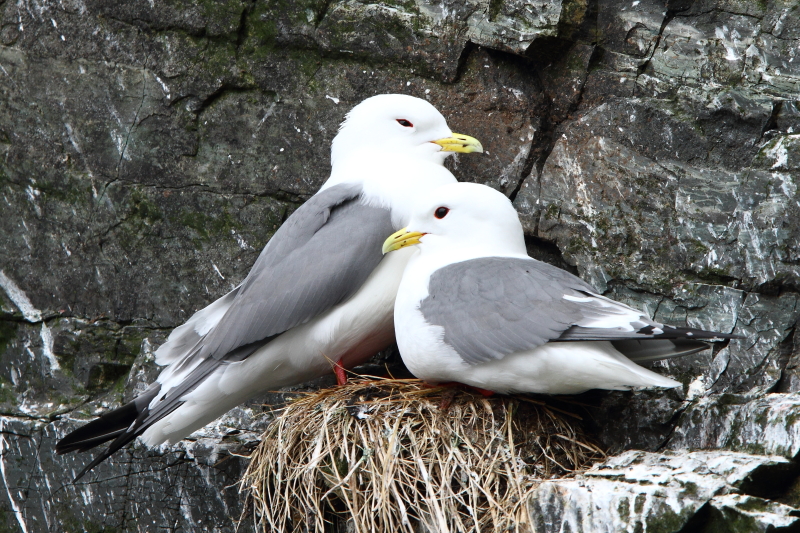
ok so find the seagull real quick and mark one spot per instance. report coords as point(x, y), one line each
point(319, 296)
point(474, 308)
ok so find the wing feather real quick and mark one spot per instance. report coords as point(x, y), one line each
point(494, 306)
point(317, 259)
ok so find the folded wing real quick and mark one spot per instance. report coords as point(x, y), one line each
point(494, 306)
point(317, 259)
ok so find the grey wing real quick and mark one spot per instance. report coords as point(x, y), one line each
point(318, 258)
point(495, 306)
point(184, 338)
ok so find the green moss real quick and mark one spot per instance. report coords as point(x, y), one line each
point(72, 190)
point(8, 332)
point(7, 394)
point(143, 208)
point(305, 62)
point(220, 13)
point(576, 245)
point(218, 58)
point(696, 247)
point(104, 376)
point(408, 6)
point(573, 12)
point(262, 23)
point(552, 212)
point(690, 489)
point(604, 224)
point(69, 523)
point(667, 522)
point(107, 350)
point(638, 503)
point(4, 177)
point(208, 226)
point(141, 213)
point(8, 523)
point(754, 504)
point(716, 276)
point(731, 399)
point(129, 345)
point(624, 510)
point(262, 36)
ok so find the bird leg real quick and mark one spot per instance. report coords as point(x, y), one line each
point(341, 376)
point(447, 398)
point(483, 392)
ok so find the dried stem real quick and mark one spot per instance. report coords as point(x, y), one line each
point(384, 456)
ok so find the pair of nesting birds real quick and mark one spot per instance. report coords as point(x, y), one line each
point(472, 306)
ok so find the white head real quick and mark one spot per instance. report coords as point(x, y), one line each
point(463, 219)
point(401, 125)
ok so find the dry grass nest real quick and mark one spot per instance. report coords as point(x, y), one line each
point(395, 455)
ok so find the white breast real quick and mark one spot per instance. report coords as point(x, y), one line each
point(553, 368)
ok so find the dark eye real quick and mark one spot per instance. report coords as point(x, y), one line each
point(403, 122)
point(441, 212)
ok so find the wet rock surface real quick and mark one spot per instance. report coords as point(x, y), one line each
point(148, 151)
point(640, 491)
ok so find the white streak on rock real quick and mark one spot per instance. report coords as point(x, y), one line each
point(47, 348)
point(3, 448)
point(240, 241)
point(20, 299)
point(33, 196)
point(163, 85)
point(779, 153)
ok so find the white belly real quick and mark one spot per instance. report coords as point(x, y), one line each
point(553, 368)
point(352, 331)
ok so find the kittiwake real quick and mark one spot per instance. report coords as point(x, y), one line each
point(474, 308)
point(320, 292)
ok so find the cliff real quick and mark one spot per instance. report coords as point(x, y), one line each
point(148, 151)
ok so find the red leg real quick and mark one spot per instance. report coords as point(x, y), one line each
point(341, 376)
point(454, 384)
point(483, 392)
point(447, 399)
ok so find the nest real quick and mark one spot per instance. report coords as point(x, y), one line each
point(395, 455)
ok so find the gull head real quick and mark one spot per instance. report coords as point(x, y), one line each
point(462, 219)
point(398, 124)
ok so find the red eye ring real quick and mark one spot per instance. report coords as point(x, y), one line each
point(441, 212)
point(405, 123)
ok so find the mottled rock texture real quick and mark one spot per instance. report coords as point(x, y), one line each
point(148, 150)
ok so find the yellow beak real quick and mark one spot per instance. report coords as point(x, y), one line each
point(460, 143)
point(401, 239)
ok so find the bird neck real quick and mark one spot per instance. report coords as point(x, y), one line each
point(439, 251)
point(365, 152)
point(391, 181)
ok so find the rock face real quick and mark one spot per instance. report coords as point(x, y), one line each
point(148, 151)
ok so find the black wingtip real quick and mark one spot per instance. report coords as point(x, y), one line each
point(115, 426)
point(102, 429)
point(96, 461)
point(87, 444)
point(671, 332)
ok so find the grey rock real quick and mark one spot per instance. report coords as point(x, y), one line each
point(639, 491)
point(190, 487)
point(149, 150)
point(765, 424)
point(747, 513)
